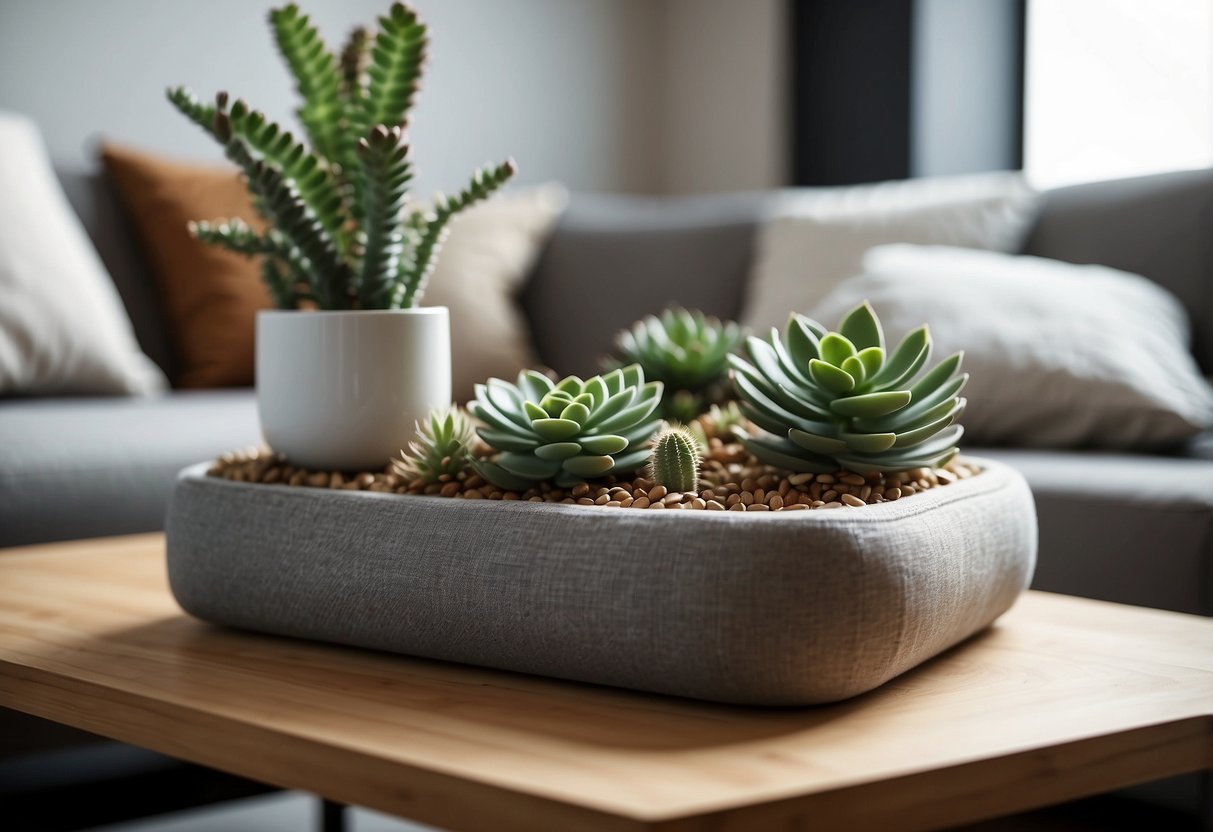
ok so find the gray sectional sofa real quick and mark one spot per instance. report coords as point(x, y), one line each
point(1123, 527)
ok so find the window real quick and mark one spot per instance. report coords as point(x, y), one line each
point(1117, 88)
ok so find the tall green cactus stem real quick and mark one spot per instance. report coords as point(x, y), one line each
point(674, 462)
point(337, 205)
point(827, 400)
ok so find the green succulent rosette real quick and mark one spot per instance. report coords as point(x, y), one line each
point(828, 400)
point(685, 350)
point(567, 431)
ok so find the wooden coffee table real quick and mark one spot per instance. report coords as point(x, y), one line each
point(1062, 698)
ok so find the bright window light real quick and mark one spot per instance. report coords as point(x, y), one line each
point(1117, 88)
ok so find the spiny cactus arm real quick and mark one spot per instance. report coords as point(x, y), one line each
point(307, 172)
point(328, 276)
point(394, 73)
point(236, 235)
point(353, 64)
point(188, 104)
point(316, 78)
point(431, 227)
point(383, 158)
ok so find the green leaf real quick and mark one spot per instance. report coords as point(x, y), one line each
point(856, 369)
point(576, 412)
point(862, 327)
point(528, 465)
point(505, 440)
point(914, 437)
point(534, 386)
point(606, 444)
point(783, 454)
point(830, 377)
point(558, 451)
point(534, 411)
point(868, 442)
point(383, 157)
point(872, 359)
point(941, 372)
point(816, 443)
point(500, 477)
point(910, 355)
point(589, 466)
point(556, 430)
point(316, 77)
point(836, 348)
point(870, 405)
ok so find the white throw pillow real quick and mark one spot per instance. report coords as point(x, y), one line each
point(1060, 355)
point(480, 271)
point(63, 328)
point(817, 236)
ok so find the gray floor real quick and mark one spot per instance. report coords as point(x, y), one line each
point(280, 812)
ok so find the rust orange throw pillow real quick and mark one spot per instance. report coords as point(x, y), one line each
point(209, 296)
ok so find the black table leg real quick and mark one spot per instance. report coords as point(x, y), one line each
point(332, 816)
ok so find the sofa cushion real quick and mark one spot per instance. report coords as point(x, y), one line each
point(85, 467)
point(614, 259)
point(1122, 527)
point(1157, 226)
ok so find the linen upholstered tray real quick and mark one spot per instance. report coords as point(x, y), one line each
point(768, 609)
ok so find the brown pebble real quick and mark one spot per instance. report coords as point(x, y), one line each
point(585, 501)
point(672, 499)
point(297, 478)
point(759, 507)
point(602, 499)
point(737, 507)
point(657, 492)
point(641, 502)
point(865, 493)
point(817, 504)
point(797, 507)
point(826, 478)
point(627, 502)
point(775, 502)
point(852, 500)
point(830, 496)
point(613, 504)
point(657, 504)
point(450, 489)
point(538, 499)
point(510, 495)
point(699, 503)
point(853, 479)
point(713, 505)
point(800, 479)
point(568, 501)
point(272, 476)
point(474, 481)
point(580, 490)
point(834, 504)
point(364, 480)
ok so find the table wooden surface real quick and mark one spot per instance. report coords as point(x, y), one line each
point(1062, 698)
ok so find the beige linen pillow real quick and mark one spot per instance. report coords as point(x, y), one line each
point(1059, 355)
point(480, 272)
point(818, 236)
point(63, 328)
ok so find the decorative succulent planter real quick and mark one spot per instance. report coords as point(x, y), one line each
point(788, 608)
point(337, 390)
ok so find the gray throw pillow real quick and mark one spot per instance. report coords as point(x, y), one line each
point(1060, 355)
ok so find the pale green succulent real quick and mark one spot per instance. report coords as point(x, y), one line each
point(442, 447)
point(685, 350)
point(567, 431)
point(674, 462)
point(830, 400)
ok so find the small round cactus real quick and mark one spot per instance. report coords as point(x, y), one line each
point(674, 462)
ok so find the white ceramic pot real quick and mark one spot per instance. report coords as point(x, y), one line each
point(342, 390)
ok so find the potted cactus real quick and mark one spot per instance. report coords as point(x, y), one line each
point(340, 383)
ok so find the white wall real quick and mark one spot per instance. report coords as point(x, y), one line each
point(615, 95)
point(723, 97)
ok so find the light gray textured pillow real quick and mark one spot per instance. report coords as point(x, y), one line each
point(1060, 355)
point(819, 235)
point(63, 328)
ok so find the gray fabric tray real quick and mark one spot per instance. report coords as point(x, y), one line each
point(774, 609)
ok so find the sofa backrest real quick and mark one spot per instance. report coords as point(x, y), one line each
point(1158, 226)
point(613, 258)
